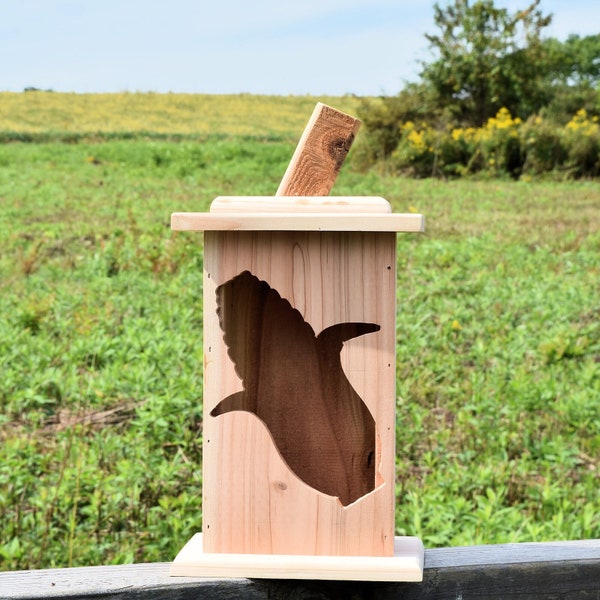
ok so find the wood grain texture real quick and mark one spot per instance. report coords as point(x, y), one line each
point(531, 571)
point(320, 153)
point(294, 383)
point(312, 204)
point(263, 221)
point(405, 565)
point(253, 502)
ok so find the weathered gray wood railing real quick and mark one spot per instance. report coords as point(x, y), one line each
point(565, 570)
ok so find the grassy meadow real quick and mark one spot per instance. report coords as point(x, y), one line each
point(47, 115)
point(498, 354)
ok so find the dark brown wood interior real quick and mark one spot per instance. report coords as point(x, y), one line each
point(294, 382)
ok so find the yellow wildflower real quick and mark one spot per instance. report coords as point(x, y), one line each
point(456, 326)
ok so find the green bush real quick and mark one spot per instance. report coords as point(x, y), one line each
point(382, 120)
point(543, 146)
point(416, 153)
point(501, 146)
point(568, 100)
point(504, 146)
point(582, 140)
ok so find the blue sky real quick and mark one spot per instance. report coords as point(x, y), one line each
point(364, 47)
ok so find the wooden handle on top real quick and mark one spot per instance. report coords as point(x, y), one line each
point(320, 153)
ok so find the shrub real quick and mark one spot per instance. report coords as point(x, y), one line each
point(459, 152)
point(501, 146)
point(582, 140)
point(568, 100)
point(382, 120)
point(415, 154)
point(543, 145)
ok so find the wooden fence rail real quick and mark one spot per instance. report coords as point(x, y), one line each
point(556, 570)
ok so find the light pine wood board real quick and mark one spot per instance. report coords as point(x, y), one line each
point(318, 221)
point(311, 204)
point(252, 502)
point(303, 213)
point(406, 564)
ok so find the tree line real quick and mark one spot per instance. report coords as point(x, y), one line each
point(487, 59)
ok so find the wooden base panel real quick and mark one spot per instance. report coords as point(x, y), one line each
point(405, 565)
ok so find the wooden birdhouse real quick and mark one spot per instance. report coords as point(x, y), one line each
point(299, 378)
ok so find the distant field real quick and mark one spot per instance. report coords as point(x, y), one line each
point(179, 114)
point(498, 354)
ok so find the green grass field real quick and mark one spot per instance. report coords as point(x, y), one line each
point(49, 115)
point(498, 430)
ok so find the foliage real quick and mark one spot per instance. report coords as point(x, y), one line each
point(575, 61)
point(380, 123)
point(567, 101)
point(101, 355)
point(486, 59)
point(101, 344)
point(582, 141)
point(504, 146)
point(543, 147)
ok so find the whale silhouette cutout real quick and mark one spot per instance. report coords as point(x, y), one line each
point(294, 383)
